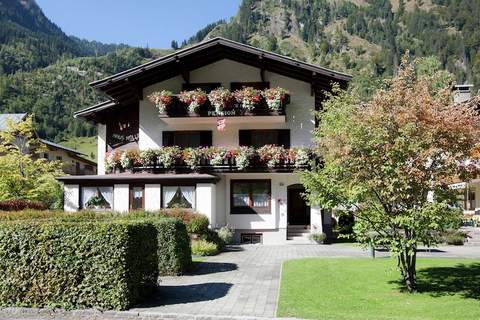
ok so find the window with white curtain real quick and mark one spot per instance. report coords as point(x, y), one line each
point(178, 197)
point(97, 198)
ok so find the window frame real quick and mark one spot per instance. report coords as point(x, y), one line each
point(206, 135)
point(130, 196)
point(250, 209)
point(178, 185)
point(95, 185)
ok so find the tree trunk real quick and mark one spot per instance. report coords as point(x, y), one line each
point(408, 265)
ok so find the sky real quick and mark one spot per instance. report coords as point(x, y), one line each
point(152, 23)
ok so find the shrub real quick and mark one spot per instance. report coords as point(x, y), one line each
point(454, 237)
point(198, 224)
point(19, 204)
point(212, 236)
point(226, 234)
point(174, 253)
point(204, 248)
point(318, 237)
point(103, 264)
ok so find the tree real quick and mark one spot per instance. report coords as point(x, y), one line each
point(24, 174)
point(383, 160)
point(174, 45)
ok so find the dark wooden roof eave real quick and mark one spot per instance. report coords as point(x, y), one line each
point(120, 85)
point(111, 179)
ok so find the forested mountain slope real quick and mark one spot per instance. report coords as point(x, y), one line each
point(46, 72)
point(29, 40)
point(363, 37)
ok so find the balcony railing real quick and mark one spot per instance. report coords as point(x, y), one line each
point(179, 109)
point(221, 102)
point(212, 159)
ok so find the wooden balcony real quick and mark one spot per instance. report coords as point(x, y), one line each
point(178, 112)
point(204, 161)
point(227, 166)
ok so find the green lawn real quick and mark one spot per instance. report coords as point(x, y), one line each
point(368, 289)
point(87, 145)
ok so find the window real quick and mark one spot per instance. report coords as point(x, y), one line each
point(187, 139)
point(97, 198)
point(45, 156)
point(137, 197)
point(59, 158)
point(178, 197)
point(259, 138)
point(250, 196)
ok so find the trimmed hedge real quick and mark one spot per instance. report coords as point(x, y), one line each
point(103, 264)
point(174, 252)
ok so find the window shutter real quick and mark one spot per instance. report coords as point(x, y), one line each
point(284, 138)
point(245, 138)
point(167, 139)
point(206, 138)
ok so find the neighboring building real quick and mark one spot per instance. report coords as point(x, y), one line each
point(469, 193)
point(263, 204)
point(74, 162)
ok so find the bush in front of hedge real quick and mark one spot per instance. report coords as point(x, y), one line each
point(174, 251)
point(102, 264)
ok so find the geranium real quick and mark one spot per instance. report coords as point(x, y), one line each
point(243, 156)
point(147, 157)
point(130, 159)
point(249, 97)
point(167, 155)
point(112, 160)
point(275, 97)
point(193, 157)
point(161, 99)
point(220, 98)
point(216, 155)
point(271, 155)
point(194, 99)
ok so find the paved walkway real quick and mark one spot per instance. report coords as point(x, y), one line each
point(243, 282)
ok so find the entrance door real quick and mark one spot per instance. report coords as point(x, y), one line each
point(298, 210)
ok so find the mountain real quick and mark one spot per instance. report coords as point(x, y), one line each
point(29, 40)
point(45, 72)
point(363, 37)
point(54, 93)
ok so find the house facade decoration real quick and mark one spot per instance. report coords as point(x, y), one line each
point(220, 127)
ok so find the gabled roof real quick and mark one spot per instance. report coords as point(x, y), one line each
point(216, 49)
point(126, 87)
point(15, 117)
point(59, 146)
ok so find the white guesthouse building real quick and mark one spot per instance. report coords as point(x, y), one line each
point(262, 203)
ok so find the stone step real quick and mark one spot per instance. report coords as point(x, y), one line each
point(298, 234)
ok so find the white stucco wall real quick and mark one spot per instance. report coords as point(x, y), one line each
point(206, 201)
point(121, 197)
point(277, 219)
point(299, 117)
point(152, 197)
point(71, 197)
point(101, 147)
